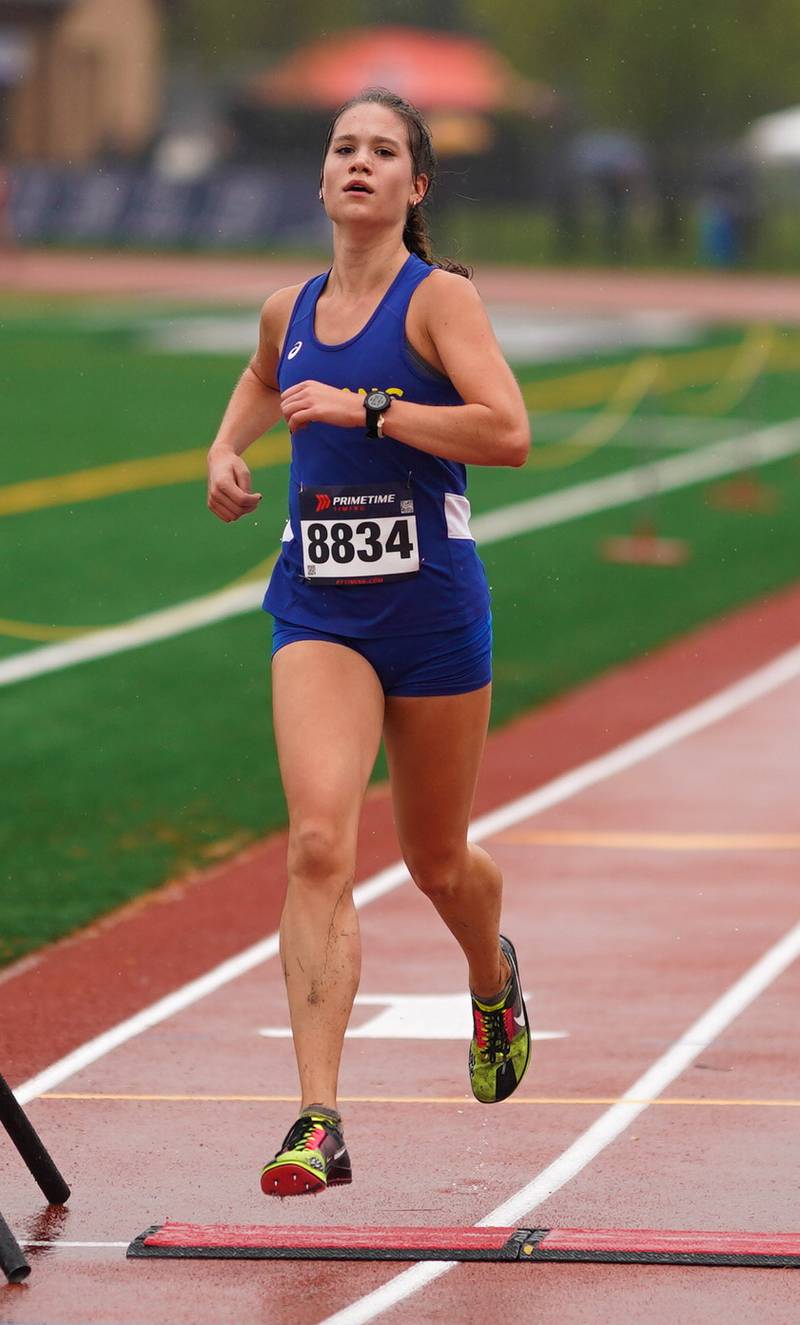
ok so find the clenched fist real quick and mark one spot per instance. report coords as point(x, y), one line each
point(229, 486)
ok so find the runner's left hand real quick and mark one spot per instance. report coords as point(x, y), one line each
point(313, 402)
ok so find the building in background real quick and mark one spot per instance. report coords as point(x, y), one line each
point(79, 78)
point(133, 122)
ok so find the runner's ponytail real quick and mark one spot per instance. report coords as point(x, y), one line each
point(417, 240)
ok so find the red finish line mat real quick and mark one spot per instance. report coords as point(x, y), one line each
point(640, 1246)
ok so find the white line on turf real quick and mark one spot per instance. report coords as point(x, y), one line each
point(147, 629)
point(644, 431)
point(781, 670)
point(725, 457)
point(56, 1242)
point(680, 471)
point(602, 1132)
point(523, 336)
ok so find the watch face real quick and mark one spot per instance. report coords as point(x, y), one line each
point(378, 400)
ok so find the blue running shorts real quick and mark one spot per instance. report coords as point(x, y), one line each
point(441, 662)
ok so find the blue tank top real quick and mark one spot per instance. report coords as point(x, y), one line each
point(449, 589)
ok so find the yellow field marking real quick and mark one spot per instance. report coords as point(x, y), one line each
point(591, 386)
point(33, 631)
point(582, 388)
point(585, 387)
point(256, 572)
point(603, 426)
point(620, 387)
point(130, 476)
point(415, 1099)
point(746, 366)
point(30, 630)
point(655, 841)
point(620, 392)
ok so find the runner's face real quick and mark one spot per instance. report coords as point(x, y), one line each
point(367, 177)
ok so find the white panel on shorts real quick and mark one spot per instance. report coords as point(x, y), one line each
point(457, 511)
point(287, 535)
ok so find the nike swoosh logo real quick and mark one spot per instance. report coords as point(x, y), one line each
point(519, 1021)
point(339, 1153)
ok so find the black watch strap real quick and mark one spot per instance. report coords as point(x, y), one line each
point(376, 403)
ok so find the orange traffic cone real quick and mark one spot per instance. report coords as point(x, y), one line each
point(644, 547)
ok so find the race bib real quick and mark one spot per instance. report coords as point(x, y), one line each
point(363, 535)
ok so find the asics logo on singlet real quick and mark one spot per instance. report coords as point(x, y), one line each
point(296, 348)
point(323, 501)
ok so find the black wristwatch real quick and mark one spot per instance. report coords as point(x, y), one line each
point(376, 404)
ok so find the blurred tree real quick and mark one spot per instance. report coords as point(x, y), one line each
point(217, 34)
point(685, 77)
point(448, 15)
point(221, 33)
point(664, 67)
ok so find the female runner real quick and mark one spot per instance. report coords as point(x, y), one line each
point(391, 381)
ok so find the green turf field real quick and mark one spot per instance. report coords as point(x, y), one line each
point(128, 770)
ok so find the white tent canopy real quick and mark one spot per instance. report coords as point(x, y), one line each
point(775, 138)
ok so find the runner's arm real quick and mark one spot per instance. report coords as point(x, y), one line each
point(254, 408)
point(491, 427)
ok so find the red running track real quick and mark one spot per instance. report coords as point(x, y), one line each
point(635, 903)
point(712, 296)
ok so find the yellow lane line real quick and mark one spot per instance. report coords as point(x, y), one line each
point(42, 631)
point(34, 631)
point(601, 427)
point(129, 476)
point(255, 573)
point(656, 841)
point(591, 386)
point(746, 367)
point(585, 387)
point(413, 1099)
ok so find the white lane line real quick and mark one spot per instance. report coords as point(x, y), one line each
point(601, 1133)
point(681, 471)
point(725, 457)
point(784, 668)
point(522, 337)
point(56, 1242)
point(642, 431)
point(148, 629)
point(781, 670)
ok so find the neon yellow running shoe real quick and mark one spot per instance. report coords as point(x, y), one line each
point(501, 1043)
point(312, 1157)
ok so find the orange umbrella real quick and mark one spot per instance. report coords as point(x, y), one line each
point(434, 70)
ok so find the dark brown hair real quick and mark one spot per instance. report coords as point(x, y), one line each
point(423, 162)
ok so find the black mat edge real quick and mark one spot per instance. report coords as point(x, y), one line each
point(754, 1260)
point(137, 1247)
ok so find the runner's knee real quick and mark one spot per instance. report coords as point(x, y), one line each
point(319, 854)
point(438, 872)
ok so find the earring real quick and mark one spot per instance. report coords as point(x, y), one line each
point(320, 195)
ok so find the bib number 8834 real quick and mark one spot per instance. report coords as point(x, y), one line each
point(357, 535)
point(335, 540)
